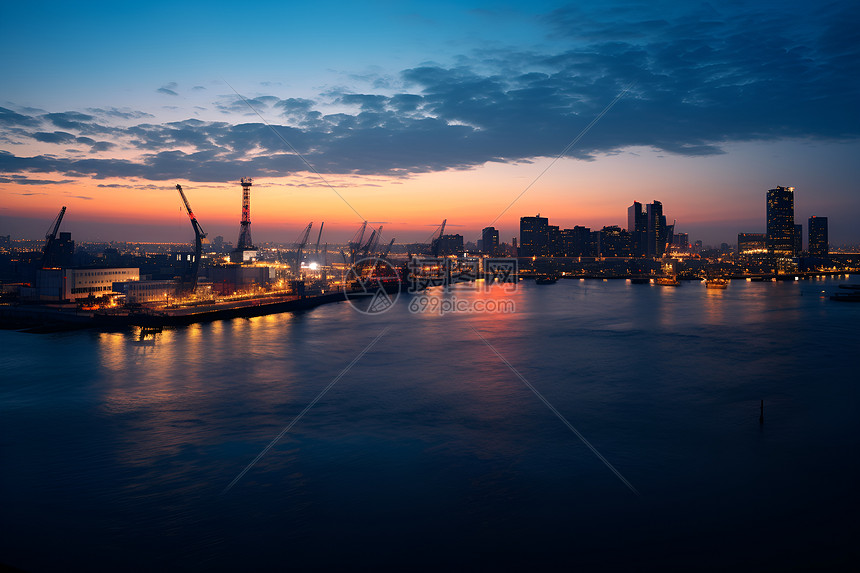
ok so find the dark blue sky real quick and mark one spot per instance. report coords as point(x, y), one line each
point(135, 95)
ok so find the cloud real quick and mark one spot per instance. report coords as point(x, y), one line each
point(168, 89)
point(102, 146)
point(9, 117)
point(120, 113)
point(238, 105)
point(23, 180)
point(55, 137)
point(701, 77)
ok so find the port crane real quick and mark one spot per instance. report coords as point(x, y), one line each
point(357, 241)
point(317, 247)
point(386, 250)
point(434, 244)
point(370, 247)
point(300, 244)
point(48, 254)
point(199, 237)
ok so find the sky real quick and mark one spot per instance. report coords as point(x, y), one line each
point(407, 113)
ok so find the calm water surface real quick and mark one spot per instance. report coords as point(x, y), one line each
point(430, 452)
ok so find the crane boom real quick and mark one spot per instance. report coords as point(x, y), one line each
point(300, 245)
point(434, 243)
point(199, 236)
point(198, 230)
point(365, 250)
point(51, 237)
point(317, 248)
point(356, 242)
point(374, 242)
point(386, 250)
point(303, 238)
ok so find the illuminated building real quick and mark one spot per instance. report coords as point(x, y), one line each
point(637, 226)
point(614, 242)
point(227, 279)
point(681, 240)
point(490, 241)
point(798, 240)
point(752, 243)
point(554, 246)
point(534, 236)
point(818, 243)
point(140, 292)
point(71, 284)
point(448, 245)
point(579, 242)
point(656, 239)
point(780, 222)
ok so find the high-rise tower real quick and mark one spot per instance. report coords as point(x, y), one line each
point(656, 239)
point(780, 222)
point(534, 236)
point(245, 243)
point(818, 245)
point(637, 226)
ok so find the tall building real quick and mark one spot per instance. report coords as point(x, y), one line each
point(818, 243)
point(656, 240)
point(554, 246)
point(637, 226)
point(583, 243)
point(780, 222)
point(490, 241)
point(798, 240)
point(534, 236)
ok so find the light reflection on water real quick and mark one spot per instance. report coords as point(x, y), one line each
point(124, 445)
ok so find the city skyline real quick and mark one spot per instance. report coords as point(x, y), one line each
point(416, 114)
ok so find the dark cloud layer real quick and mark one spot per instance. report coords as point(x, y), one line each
point(698, 79)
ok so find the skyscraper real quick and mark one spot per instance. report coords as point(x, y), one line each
point(583, 244)
point(818, 242)
point(490, 240)
point(656, 240)
point(534, 236)
point(798, 240)
point(637, 226)
point(780, 222)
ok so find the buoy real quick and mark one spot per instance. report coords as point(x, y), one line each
point(761, 416)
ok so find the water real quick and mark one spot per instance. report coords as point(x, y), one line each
point(430, 452)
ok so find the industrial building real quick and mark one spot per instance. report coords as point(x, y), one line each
point(71, 284)
point(141, 292)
